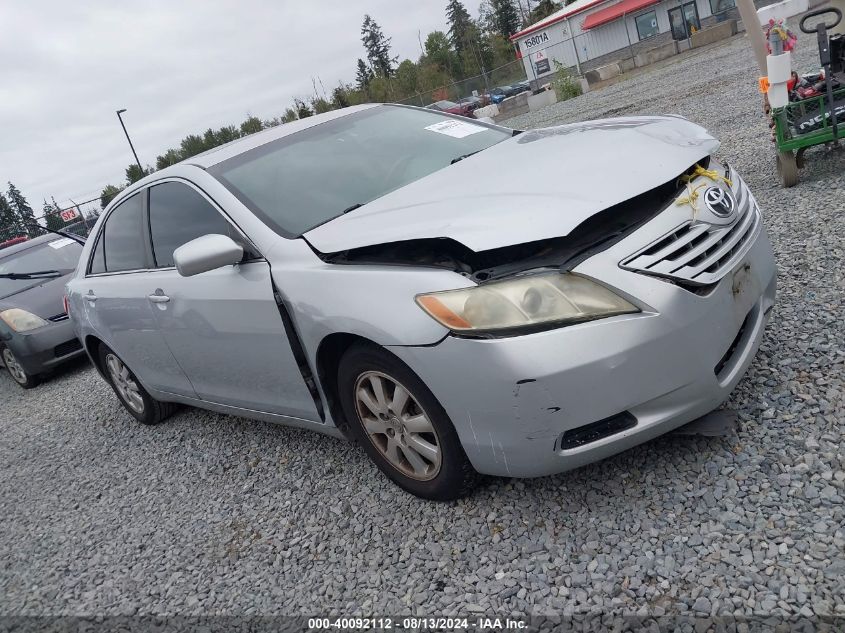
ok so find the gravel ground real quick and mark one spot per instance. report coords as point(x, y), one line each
point(209, 514)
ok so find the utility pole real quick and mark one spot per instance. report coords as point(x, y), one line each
point(132, 147)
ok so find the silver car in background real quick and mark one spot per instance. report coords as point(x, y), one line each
point(458, 297)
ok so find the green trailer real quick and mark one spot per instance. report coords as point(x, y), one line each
point(817, 120)
point(802, 124)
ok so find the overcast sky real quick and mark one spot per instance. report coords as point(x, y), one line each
point(177, 66)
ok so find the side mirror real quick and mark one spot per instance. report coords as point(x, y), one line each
point(205, 253)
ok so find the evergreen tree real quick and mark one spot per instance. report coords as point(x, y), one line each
point(378, 48)
point(209, 139)
point(134, 173)
point(107, 195)
point(229, 133)
point(505, 16)
point(439, 52)
point(250, 126)
point(364, 76)
point(22, 209)
point(170, 157)
point(191, 146)
point(9, 221)
point(52, 219)
point(543, 10)
point(461, 27)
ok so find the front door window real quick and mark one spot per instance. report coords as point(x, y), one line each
point(684, 21)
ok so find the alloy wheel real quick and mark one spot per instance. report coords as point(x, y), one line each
point(125, 384)
point(16, 370)
point(397, 425)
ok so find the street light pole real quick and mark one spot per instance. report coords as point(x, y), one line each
point(132, 147)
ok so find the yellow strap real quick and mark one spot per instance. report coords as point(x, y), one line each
point(712, 174)
point(692, 196)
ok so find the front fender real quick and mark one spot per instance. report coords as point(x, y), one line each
point(374, 302)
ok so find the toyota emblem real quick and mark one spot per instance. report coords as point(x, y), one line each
point(719, 202)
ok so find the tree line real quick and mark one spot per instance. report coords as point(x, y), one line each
point(467, 48)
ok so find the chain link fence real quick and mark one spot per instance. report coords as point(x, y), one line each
point(77, 219)
point(478, 86)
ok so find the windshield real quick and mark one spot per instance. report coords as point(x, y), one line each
point(60, 255)
point(308, 178)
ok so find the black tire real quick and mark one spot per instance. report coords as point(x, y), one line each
point(153, 411)
point(16, 371)
point(787, 169)
point(455, 476)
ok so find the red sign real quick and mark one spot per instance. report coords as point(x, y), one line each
point(69, 214)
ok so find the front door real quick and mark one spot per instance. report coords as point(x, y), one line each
point(684, 21)
point(223, 326)
point(115, 301)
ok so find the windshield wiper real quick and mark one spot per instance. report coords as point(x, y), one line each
point(38, 274)
point(71, 236)
point(357, 205)
point(462, 156)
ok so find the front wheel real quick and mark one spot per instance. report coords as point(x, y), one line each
point(17, 372)
point(131, 393)
point(401, 426)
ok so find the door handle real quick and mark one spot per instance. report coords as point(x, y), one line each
point(91, 297)
point(158, 298)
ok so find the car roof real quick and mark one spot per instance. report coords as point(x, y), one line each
point(22, 246)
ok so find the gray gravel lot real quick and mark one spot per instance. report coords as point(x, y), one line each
point(213, 514)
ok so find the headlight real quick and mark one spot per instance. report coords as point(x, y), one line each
point(523, 302)
point(21, 320)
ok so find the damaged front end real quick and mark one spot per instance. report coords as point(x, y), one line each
point(595, 234)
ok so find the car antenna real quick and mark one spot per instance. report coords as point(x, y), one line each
point(70, 236)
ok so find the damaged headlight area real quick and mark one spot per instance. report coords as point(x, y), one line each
point(21, 320)
point(532, 302)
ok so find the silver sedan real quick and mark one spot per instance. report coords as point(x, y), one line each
point(458, 297)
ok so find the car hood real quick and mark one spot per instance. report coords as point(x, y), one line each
point(537, 185)
point(43, 299)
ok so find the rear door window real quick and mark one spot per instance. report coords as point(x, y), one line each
point(98, 261)
point(123, 242)
point(179, 214)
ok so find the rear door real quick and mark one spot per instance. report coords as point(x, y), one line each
point(116, 304)
point(223, 326)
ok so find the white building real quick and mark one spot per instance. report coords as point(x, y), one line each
point(590, 33)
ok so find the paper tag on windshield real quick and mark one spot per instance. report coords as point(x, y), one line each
point(57, 244)
point(455, 128)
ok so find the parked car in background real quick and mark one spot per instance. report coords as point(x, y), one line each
point(521, 86)
point(450, 107)
point(458, 297)
point(497, 95)
point(472, 102)
point(35, 332)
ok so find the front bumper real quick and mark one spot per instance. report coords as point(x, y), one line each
point(42, 349)
point(512, 399)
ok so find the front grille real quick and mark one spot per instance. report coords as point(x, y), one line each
point(701, 253)
point(66, 348)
